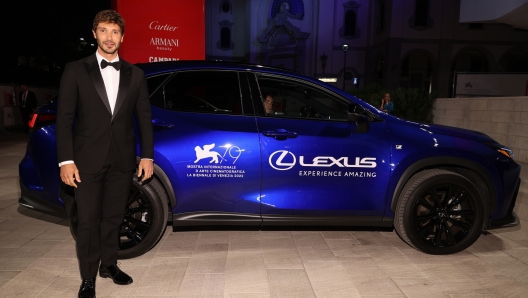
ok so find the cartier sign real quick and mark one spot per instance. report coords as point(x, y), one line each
point(154, 25)
point(162, 30)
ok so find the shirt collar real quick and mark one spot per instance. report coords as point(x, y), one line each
point(100, 58)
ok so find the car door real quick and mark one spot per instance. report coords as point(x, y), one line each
point(316, 166)
point(206, 141)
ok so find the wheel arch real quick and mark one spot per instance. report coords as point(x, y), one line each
point(452, 164)
point(163, 179)
point(167, 185)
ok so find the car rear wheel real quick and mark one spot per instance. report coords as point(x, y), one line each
point(144, 222)
point(439, 212)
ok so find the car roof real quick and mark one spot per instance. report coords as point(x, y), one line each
point(161, 67)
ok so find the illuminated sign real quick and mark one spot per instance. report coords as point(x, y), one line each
point(162, 30)
point(328, 80)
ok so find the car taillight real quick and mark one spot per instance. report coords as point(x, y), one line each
point(41, 119)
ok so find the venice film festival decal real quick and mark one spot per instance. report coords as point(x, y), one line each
point(283, 160)
point(216, 164)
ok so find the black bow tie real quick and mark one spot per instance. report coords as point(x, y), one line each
point(116, 65)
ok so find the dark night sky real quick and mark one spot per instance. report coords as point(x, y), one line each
point(46, 30)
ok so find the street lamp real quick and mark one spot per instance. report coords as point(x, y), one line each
point(345, 49)
point(324, 57)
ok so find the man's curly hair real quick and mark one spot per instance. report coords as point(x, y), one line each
point(109, 16)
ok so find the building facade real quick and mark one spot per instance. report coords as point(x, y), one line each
point(407, 43)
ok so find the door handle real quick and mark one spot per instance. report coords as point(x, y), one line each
point(161, 124)
point(280, 134)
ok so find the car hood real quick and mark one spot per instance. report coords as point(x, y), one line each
point(451, 131)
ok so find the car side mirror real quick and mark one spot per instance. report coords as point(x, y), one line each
point(356, 115)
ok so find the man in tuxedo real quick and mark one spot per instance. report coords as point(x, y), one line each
point(99, 97)
point(28, 103)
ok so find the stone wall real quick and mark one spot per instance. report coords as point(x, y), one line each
point(503, 118)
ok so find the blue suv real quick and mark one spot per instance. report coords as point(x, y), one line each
point(317, 157)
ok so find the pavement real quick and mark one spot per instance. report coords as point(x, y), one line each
point(38, 259)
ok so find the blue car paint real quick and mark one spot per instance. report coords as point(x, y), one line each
point(228, 185)
point(395, 145)
point(446, 143)
point(39, 170)
point(331, 186)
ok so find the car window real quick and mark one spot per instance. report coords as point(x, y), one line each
point(201, 91)
point(294, 99)
point(153, 83)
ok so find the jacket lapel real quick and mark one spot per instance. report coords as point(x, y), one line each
point(125, 76)
point(95, 74)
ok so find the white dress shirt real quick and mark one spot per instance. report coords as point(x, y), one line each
point(110, 79)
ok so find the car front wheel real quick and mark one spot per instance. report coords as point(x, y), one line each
point(439, 212)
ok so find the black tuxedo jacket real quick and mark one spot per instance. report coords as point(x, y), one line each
point(86, 127)
point(31, 101)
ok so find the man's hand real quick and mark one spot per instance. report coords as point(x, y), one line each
point(146, 168)
point(69, 174)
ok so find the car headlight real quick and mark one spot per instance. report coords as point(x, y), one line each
point(501, 149)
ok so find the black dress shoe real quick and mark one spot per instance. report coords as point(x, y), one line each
point(87, 289)
point(119, 277)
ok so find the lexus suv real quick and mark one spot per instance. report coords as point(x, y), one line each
point(321, 158)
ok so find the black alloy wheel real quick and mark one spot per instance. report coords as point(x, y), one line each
point(145, 219)
point(439, 212)
point(443, 215)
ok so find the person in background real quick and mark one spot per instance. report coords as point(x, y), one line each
point(28, 104)
point(386, 104)
point(268, 104)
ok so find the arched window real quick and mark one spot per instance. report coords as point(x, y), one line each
point(350, 23)
point(350, 28)
point(225, 38)
point(468, 60)
point(226, 6)
point(471, 61)
point(421, 12)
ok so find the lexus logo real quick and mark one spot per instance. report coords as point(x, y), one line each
point(281, 160)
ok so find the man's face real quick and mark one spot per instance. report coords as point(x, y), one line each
point(268, 104)
point(109, 37)
point(25, 88)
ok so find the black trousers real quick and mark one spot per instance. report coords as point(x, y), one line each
point(101, 200)
point(25, 117)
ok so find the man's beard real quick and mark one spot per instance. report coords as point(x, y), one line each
point(110, 52)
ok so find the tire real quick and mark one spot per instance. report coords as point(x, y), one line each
point(439, 212)
point(145, 219)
